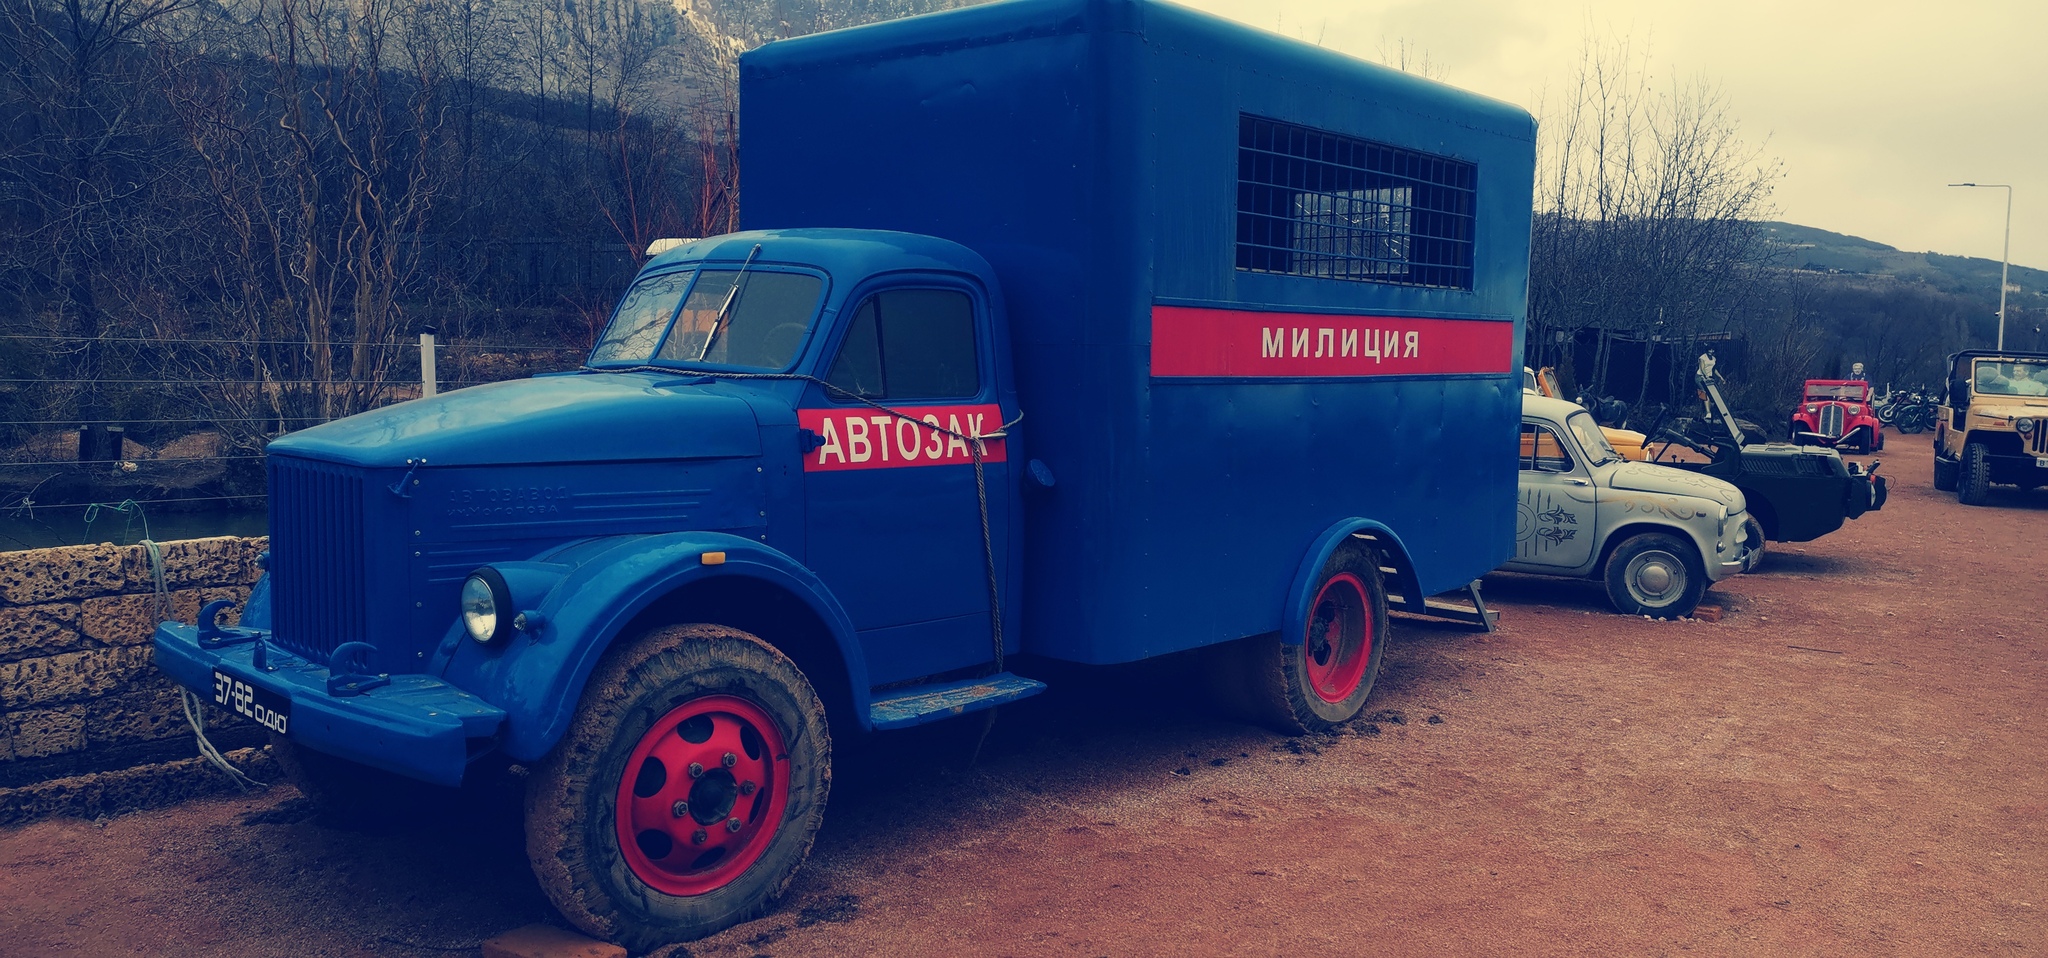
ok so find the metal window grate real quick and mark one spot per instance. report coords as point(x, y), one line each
point(1312, 203)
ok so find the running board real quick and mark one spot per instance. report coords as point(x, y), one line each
point(1464, 605)
point(917, 705)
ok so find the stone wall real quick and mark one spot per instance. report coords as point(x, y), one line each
point(87, 725)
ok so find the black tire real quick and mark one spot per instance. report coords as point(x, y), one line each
point(1753, 538)
point(1973, 475)
point(1944, 474)
point(1655, 574)
point(741, 690)
point(354, 795)
point(1322, 681)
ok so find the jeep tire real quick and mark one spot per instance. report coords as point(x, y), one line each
point(1973, 476)
point(1655, 574)
point(1944, 473)
point(713, 724)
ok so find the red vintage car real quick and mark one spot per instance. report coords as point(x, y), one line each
point(1836, 412)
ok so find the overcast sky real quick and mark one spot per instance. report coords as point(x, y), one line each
point(1872, 105)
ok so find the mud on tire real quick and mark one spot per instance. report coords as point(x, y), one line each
point(750, 735)
point(1323, 679)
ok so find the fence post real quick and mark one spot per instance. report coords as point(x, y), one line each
point(429, 384)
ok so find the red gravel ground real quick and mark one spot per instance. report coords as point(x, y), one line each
point(1849, 763)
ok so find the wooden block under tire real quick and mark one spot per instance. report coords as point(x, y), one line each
point(1707, 613)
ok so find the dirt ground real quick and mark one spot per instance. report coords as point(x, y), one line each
point(1849, 763)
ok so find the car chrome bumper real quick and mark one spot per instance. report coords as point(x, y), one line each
point(414, 725)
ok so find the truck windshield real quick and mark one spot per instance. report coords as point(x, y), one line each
point(642, 316)
point(766, 324)
point(2012, 378)
point(1592, 439)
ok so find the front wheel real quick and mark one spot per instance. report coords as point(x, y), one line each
point(1944, 473)
point(686, 792)
point(1973, 478)
point(1657, 575)
point(1753, 538)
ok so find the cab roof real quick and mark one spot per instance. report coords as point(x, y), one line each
point(846, 254)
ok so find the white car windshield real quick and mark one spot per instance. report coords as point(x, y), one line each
point(1592, 439)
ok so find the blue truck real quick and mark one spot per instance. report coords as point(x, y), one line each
point(1062, 330)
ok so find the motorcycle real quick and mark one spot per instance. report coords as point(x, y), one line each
point(1915, 414)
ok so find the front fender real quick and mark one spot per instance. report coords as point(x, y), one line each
point(587, 595)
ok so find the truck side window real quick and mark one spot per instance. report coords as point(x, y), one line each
point(910, 344)
point(1542, 451)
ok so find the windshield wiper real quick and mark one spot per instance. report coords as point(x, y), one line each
point(732, 296)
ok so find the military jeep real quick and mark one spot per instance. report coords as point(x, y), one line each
point(1993, 424)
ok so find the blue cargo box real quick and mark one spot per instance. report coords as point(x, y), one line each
point(1255, 288)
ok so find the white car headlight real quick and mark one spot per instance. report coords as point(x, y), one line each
point(2024, 424)
point(486, 606)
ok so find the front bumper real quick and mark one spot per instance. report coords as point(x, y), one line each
point(416, 725)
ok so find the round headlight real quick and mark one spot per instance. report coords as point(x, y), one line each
point(486, 606)
point(2024, 424)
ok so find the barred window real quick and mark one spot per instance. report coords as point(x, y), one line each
point(1312, 203)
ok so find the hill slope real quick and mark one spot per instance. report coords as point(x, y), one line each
point(1817, 250)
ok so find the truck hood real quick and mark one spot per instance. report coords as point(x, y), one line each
point(594, 417)
point(1666, 480)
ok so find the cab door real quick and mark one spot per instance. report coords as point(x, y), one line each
point(1554, 523)
point(894, 506)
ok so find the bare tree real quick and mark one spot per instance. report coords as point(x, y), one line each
point(1648, 206)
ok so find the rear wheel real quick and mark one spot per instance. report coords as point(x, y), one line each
point(1322, 680)
point(686, 792)
point(1657, 575)
point(1973, 479)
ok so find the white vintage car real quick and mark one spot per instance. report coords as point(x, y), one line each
point(1658, 536)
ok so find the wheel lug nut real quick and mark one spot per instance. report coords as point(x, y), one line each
point(681, 808)
point(746, 788)
point(698, 837)
point(696, 770)
point(731, 760)
point(732, 824)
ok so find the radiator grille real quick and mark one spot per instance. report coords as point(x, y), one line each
point(1831, 421)
point(2040, 437)
point(319, 596)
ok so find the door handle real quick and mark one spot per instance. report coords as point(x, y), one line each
point(1577, 482)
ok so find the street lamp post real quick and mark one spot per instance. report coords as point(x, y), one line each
point(2005, 263)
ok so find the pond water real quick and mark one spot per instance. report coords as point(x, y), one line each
point(47, 526)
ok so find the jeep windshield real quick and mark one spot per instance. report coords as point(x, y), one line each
point(755, 318)
point(2012, 377)
point(1598, 450)
point(1853, 392)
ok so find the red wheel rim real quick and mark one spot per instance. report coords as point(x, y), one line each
point(702, 795)
point(1339, 640)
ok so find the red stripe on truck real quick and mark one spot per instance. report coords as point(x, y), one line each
point(863, 437)
point(1233, 343)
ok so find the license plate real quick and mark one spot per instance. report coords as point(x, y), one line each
point(2042, 463)
point(253, 702)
